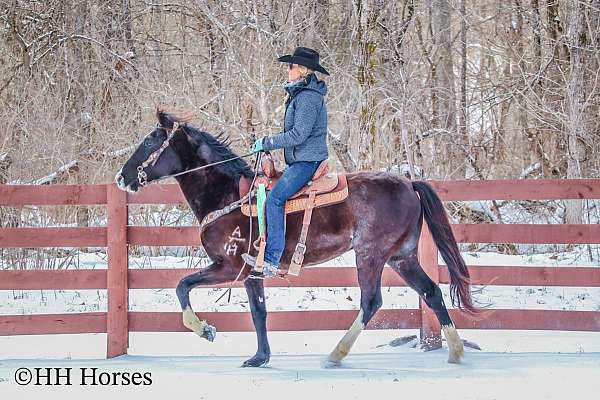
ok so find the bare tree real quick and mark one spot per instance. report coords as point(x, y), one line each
point(444, 111)
point(576, 99)
point(468, 89)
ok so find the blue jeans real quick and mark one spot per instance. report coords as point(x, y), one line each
point(294, 177)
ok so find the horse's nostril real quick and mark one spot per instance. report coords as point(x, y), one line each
point(119, 178)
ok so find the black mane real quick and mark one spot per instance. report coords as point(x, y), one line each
point(221, 151)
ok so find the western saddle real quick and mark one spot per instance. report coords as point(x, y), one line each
point(322, 190)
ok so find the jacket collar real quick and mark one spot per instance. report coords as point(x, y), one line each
point(294, 87)
point(311, 82)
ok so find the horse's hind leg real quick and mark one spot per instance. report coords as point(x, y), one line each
point(410, 270)
point(369, 280)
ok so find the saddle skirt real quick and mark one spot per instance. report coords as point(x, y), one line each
point(327, 188)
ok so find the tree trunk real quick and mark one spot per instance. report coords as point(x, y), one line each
point(444, 92)
point(534, 139)
point(367, 12)
point(321, 10)
point(341, 145)
point(81, 104)
point(463, 114)
point(576, 105)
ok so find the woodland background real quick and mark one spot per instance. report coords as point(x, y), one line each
point(504, 89)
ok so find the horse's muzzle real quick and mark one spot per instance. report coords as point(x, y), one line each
point(120, 180)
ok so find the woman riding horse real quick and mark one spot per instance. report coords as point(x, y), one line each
point(304, 143)
point(381, 219)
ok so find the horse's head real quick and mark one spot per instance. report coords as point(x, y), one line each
point(173, 147)
point(156, 156)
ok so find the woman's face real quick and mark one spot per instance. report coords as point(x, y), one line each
point(293, 72)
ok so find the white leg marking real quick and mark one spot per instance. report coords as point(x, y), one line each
point(455, 345)
point(344, 346)
point(193, 323)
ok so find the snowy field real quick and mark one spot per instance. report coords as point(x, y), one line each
point(511, 364)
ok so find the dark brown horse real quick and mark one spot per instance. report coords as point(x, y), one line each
point(381, 220)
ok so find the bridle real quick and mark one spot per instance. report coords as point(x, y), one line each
point(154, 156)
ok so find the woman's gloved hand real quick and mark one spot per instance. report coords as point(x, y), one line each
point(257, 146)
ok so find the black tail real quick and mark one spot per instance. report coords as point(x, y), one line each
point(437, 220)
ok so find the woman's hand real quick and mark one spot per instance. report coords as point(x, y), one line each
point(257, 146)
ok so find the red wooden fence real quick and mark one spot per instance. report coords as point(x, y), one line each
point(118, 279)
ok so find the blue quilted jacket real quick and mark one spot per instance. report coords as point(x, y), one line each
point(304, 136)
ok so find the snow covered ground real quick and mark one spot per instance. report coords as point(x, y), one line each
point(512, 364)
point(528, 365)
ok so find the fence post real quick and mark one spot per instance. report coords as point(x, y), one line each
point(117, 286)
point(431, 337)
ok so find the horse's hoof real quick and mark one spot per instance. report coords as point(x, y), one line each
point(210, 332)
point(455, 356)
point(329, 363)
point(456, 349)
point(453, 360)
point(256, 362)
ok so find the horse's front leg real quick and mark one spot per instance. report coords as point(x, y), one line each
point(256, 297)
point(213, 274)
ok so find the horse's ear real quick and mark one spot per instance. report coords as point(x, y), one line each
point(164, 118)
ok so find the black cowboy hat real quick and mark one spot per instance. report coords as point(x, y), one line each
point(304, 56)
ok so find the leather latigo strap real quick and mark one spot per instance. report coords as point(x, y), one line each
point(298, 256)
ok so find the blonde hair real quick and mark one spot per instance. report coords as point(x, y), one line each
point(304, 71)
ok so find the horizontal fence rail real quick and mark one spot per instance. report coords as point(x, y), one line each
point(299, 321)
point(189, 235)
point(160, 278)
point(117, 322)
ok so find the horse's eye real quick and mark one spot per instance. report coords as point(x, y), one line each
point(147, 142)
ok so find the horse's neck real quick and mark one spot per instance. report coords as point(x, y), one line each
point(206, 195)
